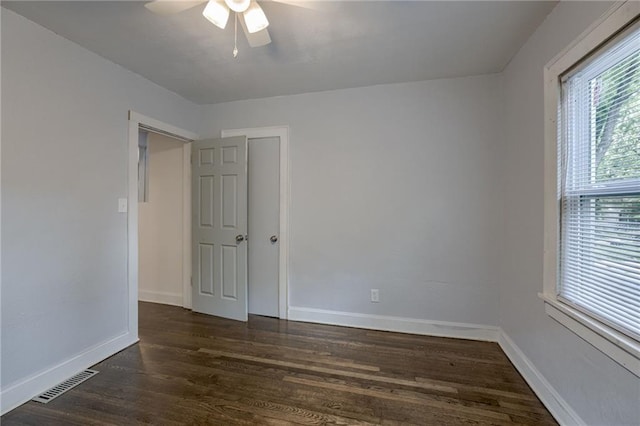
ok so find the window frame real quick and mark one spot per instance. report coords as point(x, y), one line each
point(618, 346)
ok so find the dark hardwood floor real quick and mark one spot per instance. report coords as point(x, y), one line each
point(196, 369)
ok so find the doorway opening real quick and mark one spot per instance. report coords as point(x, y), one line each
point(138, 123)
point(271, 137)
point(162, 231)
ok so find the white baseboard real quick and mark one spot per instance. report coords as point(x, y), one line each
point(163, 297)
point(551, 399)
point(397, 324)
point(24, 390)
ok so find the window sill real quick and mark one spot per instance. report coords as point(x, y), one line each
point(622, 349)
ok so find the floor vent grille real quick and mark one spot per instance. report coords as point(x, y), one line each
point(63, 387)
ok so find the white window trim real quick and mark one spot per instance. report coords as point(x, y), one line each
point(620, 348)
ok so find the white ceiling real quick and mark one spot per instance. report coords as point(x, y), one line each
point(342, 44)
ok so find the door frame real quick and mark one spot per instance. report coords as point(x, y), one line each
point(136, 122)
point(281, 132)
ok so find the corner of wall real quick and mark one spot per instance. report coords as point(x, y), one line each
point(559, 408)
point(21, 392)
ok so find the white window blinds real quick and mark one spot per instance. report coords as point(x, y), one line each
point(599, 184)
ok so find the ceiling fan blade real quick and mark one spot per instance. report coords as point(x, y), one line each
point(313, 5)
point(254, 18)
point(257, 39)
point(170, 7)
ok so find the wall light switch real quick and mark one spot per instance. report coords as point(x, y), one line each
point(122, 205)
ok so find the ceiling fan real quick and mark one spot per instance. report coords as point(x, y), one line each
point(251, 16)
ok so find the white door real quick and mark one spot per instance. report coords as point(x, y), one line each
point(219, 227)
point(264, 225)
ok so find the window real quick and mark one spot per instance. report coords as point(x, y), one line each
point(599, 179)
point(592, 186)
point(143, 167)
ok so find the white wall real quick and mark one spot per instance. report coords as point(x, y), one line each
point(160, 224)
point(64, 165)
point(599, 390)
point(398, 187)
point(394, 187)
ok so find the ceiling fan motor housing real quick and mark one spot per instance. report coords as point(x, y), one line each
point(238, 6)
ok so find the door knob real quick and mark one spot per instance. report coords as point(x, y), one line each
point(273, 239)
point(239, 238)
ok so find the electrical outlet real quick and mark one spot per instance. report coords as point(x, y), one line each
point(375, 295)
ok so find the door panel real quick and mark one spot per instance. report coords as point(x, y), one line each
point(229, 276)
point(264, 222)
point(219, 188)
point(206, 201)
point(205, 278)
point(229, 201)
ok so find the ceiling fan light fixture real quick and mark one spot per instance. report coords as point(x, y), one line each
point(238, 6)
point(217, 13)
point(255, 19)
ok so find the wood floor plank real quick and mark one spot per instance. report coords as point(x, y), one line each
point(402, 397)
point(333, 371)
point(201, 370)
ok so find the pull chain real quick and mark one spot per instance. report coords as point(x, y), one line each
point(235, 38)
